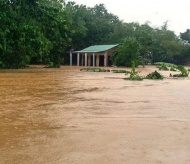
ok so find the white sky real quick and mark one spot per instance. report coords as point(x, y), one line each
point(177, 12)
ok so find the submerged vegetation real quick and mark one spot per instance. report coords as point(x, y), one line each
point(154, 75)
point(134, 75)
point(165, 66)
point(183, 72)
point(94, 70)
point(120, 71)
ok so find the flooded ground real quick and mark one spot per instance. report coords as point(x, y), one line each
point(63, 116)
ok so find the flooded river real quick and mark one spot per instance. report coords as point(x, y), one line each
point(63, 116)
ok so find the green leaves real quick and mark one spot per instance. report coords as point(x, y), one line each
point(154, 75)
point(42, 31)
point(184, 72)
point(185, 35)
point(126, 53)
point(32, 30)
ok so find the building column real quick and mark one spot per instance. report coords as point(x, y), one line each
point(85, 59)
point(78, 59)
point(89, 59)
point(93, 59)
point(106, 59)
point(71, 58)
point(82, 60)
point(97, 60)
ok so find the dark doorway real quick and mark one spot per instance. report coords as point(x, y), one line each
point(101, 60)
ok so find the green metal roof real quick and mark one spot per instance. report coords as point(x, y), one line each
point(97, 48)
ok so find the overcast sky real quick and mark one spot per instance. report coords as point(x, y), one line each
point(176, 12)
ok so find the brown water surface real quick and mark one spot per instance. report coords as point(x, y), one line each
point(58, 116)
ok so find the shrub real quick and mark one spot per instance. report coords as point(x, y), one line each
point(134, 74)
point(184, 72)
point(154, 75)
point(120, 71)
point(94, 70)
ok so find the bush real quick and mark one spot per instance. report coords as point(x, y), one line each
point(120, 71)
point(184, 72)
point(154, 75)
point(163, 67)
point(94, 70)
point(134, 74)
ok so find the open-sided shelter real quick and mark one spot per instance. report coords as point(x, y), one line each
point(90, 56)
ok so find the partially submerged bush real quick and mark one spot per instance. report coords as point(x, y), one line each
point(163, 67)
point(134, 78)
point(183, 70)
point(178, 75)
point(173, 69)
point(120, 71)
point(103, 70)
point(134, 74)
point(94, 70)
point(154, 75)
point(166, 66)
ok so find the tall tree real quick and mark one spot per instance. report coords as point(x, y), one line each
point(126, 53)
point(185, 35)
point(32, 29)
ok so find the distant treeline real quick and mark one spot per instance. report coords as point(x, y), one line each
point(44, 31)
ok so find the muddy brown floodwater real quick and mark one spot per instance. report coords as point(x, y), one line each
point(63, 116)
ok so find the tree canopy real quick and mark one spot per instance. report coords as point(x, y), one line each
point(43, 31)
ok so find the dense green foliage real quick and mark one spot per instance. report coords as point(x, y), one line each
point(166, 66)
point(156, 44)
point(127, 52)
point(183, 72)
point(186, 35)
point(32, 30)
point(133, 74)
point(44, 31)
point(172, 67)
point(154, 75)
point(90, 25)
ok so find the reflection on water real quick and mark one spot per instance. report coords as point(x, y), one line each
point(47, 114)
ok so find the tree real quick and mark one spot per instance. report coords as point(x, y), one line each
point(144, 35)
point(21, 37)
point(166, 46)
point(126, 53)
point(185, 35)
point(55, 29)
point(32, 29)
point(90, 25)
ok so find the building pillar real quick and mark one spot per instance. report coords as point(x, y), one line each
point(93, 59)
point(89, 59)
point(82, 60)
point(78, 59)
point(71, 58)
point(85, 59)
point(97, 60)
point(106, 59)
